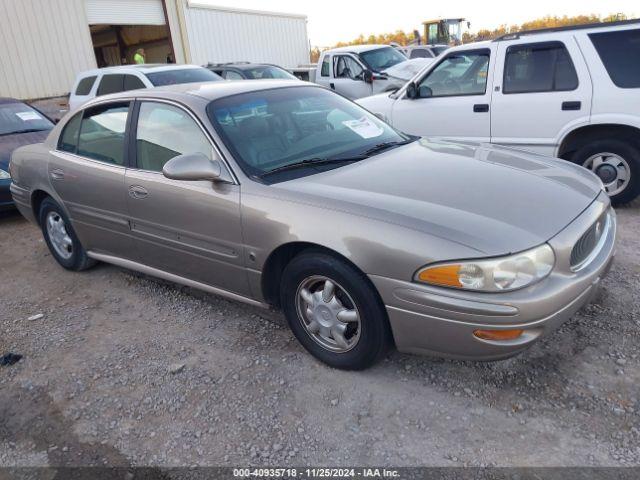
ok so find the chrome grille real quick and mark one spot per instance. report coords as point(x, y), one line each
point(588, 242)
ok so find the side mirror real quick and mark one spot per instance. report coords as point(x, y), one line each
point(412, 90)
point(193, 166)
point(367, 76)
point(425, 92)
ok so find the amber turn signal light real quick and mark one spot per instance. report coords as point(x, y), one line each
point(446, 275)
point(498, 335)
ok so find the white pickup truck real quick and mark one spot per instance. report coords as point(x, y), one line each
point(572, 93)
point(361, 70)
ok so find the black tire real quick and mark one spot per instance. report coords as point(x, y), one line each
point(628, 150)
point(78, 259)
point(375, 335)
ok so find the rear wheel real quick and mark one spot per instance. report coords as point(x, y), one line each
point(334, 311)
point(616, 163)
point(61, 238)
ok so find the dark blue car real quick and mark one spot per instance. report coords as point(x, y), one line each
point(20, 125)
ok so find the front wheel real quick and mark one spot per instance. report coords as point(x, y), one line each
point(334, 311)
point(616, 163)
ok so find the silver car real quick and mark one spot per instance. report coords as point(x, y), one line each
point(287, 195)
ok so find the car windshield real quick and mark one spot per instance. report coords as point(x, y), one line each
point(268, 72)
point(182, 75)
point(381, 58)
point(20, 118)
point(276, 128)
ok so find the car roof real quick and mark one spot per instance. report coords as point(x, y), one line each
point(357, 48)
point(145, 68)
point(207, 91)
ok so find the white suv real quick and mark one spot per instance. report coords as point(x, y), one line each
point(572, 93)
point(101, 81)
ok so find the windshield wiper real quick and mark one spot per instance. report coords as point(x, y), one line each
point(26, 130)
point(311, 162)
point(386, 145)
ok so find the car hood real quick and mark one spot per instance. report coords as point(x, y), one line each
point(495, 200)
point(8, 143)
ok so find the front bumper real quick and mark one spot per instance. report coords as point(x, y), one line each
point(438, 321)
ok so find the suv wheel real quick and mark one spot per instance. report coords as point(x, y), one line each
point(61, 239)
point(334, 311)
point(616, 163)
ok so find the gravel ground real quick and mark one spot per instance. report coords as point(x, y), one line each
point(124, 370)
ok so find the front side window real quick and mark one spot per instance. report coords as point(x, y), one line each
point(182, 75)
point(85, 85)
point(326, 67)
point(164, 132)
point(68, 141)
point(102, 133)
point(382, 58)
point(18, 117)
point(347, 67)
point(541, 67)
point(620, 54)
point(272, 129)
point(463, 73)
point(111, 84)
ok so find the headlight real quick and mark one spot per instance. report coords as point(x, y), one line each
point(492, 275)
point(4, 174)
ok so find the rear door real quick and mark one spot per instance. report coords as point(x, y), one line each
point(542, 89)
point(87, 171)
point(187, 228)
point(454, 100)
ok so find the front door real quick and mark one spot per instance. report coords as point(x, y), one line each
point(187, 228)
point(541, 88)
point(87, 171)
point(453, 99)
point(348, 78)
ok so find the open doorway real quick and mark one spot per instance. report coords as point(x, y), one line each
point(117, 44)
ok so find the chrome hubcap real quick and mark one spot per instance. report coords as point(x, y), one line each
point(328, 314)
point(612, 169)
point(58, 236)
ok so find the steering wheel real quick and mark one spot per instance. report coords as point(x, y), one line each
point(452, 85)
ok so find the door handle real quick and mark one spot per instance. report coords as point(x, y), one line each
point(571, 105)
point(333, 86)
point(57, 174)
point(481, 107)
point(136, 191)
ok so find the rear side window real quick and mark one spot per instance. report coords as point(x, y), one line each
point(420, 53)
point(231, 75)
point(68, 141)
point(85, 85)
point(325, 67)
point(539, 67)
point(102, 133)
point(131, 82)
point(111, 84)
point(620, 54)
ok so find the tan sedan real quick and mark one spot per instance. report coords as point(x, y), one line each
point(288, 195)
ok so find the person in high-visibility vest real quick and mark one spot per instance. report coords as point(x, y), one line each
point(139, 57)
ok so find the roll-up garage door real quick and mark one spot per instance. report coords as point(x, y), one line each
point(125, 12)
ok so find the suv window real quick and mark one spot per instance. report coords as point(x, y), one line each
point(111, 84)
point(102, 133)
point(462, 73)
point(619, 52)
point(131, 82)
point(68, 141)
point(420, 53)
point(324, 72)
point(539, 67)
point(85, 85)
point(156, 141)
point(231, 75)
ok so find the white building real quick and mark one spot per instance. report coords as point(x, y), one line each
point(45, 43)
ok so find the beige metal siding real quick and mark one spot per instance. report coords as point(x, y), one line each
point(218, 34)
point(125, 12)
point(43, 45)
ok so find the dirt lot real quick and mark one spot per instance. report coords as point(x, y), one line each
point(95, 385)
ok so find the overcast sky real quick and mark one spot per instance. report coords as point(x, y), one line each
point(331, 21)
